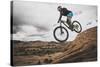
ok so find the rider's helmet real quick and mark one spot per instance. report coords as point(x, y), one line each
point(59, 8)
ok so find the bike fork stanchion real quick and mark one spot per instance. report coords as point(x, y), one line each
point(61, 28)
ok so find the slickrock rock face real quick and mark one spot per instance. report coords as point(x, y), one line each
point(83, 48)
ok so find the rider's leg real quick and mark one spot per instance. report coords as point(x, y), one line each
point(69, 20)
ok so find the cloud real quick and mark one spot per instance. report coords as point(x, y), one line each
point(15, 29)
point(37, 35)
point(31, 14)
point(41, 28)
point(19, 22)
point(34, 20)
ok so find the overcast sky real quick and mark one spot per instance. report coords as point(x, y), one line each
point(36, 20)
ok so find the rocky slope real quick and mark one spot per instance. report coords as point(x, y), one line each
point(83, 48)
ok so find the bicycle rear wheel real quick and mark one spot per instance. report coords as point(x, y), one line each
point(77, 26)
point(60, 36)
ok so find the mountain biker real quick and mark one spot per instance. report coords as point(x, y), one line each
point(67, 13)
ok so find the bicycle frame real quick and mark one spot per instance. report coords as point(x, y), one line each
point(61, 26)
point(64, 22)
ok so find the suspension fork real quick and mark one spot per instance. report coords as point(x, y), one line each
point(61, 28)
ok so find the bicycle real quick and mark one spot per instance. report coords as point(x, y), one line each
point(62, 32)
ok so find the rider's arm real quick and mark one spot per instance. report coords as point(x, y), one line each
point(60, 17)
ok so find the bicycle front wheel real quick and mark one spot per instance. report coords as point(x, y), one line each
point(59, 35)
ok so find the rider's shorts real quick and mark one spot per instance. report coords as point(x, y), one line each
point(70, 14)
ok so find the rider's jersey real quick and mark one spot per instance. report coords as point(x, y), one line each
point(66, 12)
